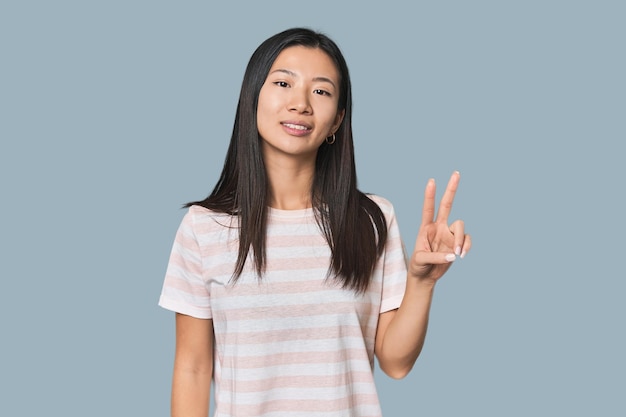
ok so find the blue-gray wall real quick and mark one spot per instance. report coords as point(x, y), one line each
point(114, 113)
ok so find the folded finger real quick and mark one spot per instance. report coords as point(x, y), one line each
point(467, 245)
point(458, 230)
point(434, 258)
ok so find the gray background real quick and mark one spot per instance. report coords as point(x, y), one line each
point(113, 114)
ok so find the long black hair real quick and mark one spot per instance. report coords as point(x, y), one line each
point(353, 225)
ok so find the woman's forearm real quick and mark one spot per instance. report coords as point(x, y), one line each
point(405, 330)
point(190, 393)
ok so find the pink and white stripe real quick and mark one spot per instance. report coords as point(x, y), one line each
point(294, 343)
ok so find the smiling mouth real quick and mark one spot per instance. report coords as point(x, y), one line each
point(296, 127)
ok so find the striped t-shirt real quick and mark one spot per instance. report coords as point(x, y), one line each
point(293, 343)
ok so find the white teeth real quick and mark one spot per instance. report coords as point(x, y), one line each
point(298, 127)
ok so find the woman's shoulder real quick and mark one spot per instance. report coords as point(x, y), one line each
point(197, 215)
point(384, 204)
point(199, 210)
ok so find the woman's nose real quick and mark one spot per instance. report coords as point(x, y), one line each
point(299, 101)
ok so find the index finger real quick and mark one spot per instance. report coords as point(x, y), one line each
point(448, 197)
point(428, 210)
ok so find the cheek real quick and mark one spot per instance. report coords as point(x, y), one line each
point(268, 102)
point(331, 117)
point(328, 111)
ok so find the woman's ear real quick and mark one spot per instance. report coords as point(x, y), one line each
point(338, 120)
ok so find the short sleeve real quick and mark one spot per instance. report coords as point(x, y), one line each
point(184, 288)
point(394, 261)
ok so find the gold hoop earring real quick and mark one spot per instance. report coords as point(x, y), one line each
point(331, 139)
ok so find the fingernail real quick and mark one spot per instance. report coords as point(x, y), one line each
point(463, 254)
point(457, 251)
point(450, 257)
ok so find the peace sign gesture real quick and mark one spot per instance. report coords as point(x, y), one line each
point(438, 244)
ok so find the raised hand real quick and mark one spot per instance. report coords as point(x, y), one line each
point(438, 244)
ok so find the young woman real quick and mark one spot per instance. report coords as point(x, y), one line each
point(287, 280)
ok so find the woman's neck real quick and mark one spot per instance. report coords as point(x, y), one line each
point(290, 185)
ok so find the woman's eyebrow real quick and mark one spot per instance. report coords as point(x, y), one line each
point(293, 74)
point(325, 79)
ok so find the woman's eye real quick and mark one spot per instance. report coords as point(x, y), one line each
point(281, 84)
point(322, 92)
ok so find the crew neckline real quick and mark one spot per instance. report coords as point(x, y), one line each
point(275, 212)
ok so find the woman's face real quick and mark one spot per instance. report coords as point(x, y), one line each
point(297, 106)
